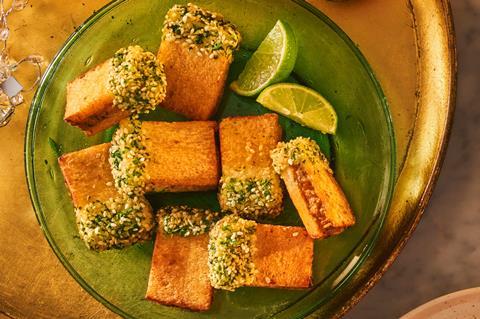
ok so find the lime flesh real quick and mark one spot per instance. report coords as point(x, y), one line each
point(300, 104)
point(271, 63)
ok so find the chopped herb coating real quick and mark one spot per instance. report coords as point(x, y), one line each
point(250, 198)
point(116, 223)
point(186, 221)
point(128, 157)
point(137, 80)
point(296, 152)
point(206, 31)
point(230, 253)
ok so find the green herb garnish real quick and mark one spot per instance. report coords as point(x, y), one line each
point(56, 148)
point(108, 135)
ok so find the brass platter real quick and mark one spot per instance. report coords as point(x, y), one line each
point(411, 47)
point(425, 147)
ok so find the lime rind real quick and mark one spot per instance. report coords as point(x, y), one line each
point(272, 62)
point(300, 104)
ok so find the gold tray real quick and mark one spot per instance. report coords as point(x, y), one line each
point(410, 45)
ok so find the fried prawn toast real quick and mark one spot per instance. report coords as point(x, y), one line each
point(183, 156)
point(319, 200)
point(105, 218)
point(249, 184)
point(179, 272)
point(197, 51)
point(131, 82)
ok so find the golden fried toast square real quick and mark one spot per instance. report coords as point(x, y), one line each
point(195, 81)
point(89, 102)
point(307, 185)
point(245, 145)
point(283, 257)
point(183, 156)
point(88, 175)
point(179, 272)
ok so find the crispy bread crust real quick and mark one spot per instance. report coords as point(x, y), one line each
point(179, 273)
point(194, 94)
point(183, 156)
point(246, 142)
point(283, 257)
point(87, 173)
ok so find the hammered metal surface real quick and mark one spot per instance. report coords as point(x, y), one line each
point(33, 283)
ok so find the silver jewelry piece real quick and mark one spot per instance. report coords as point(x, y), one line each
point(10, 89)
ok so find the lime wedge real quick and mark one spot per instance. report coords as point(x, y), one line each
point(273, 61)
point(301, 104)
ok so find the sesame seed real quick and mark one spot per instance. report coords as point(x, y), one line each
point(186, 221)
point(296, 152)
point(107, 225)
point(251, 197)
point(134, 72)
point(128, 158)
point(230, 253)
point(200, 29)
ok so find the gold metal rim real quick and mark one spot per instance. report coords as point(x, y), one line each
point(379, 263)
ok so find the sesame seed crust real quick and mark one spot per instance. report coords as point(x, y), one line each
point(251, 198)
point(230, 253)
point(207, 32)
point(116, 223)
point(296, 152)
point(128, 157)
point(186, 221)
point(137, 80)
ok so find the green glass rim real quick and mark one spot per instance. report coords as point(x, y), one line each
point(29, 141)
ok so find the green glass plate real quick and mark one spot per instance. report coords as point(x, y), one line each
point(362, 153)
